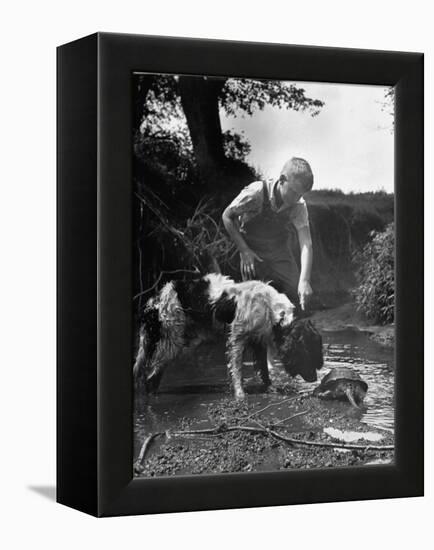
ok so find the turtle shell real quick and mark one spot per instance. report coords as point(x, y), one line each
point(341, 374)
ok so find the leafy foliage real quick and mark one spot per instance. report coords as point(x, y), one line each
point(388, 106)
point(162, 136)
point(389, 101)
point(169, 151)
point(375, 293)
point(246, 96)
point(236, 146)
point(163, 139)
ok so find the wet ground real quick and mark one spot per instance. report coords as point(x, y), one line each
point(195, 396)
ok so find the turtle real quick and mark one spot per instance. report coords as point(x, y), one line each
point(342, 383)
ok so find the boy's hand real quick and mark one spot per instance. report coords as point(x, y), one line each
point(247, 261)
point(304, 293)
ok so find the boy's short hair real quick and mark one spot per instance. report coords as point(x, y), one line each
point(300, 169)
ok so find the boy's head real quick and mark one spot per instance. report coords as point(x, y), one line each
point(295, 179)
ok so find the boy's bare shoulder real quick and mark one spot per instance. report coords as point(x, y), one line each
point(248, 200)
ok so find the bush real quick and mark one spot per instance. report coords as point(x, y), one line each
point(375, 293)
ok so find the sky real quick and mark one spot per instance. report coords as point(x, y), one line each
point(349, 145)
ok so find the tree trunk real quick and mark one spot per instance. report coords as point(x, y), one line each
point(199, 98)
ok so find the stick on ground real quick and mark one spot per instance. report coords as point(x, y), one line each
point(281, 437)
point(138, 466)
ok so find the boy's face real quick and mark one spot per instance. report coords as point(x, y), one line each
point(291, 189)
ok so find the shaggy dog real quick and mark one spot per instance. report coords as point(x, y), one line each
point(184, 313)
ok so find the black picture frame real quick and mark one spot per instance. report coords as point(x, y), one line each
point(94, 376)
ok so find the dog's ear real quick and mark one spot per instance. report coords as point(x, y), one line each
point(300, 346)
point(316, 347)
point(287, 334)
point(299, 313)
point(312, 341)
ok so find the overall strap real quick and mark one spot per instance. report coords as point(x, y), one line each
point(266, 205)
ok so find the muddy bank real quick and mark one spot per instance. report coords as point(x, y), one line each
point(322, 435)
point(346, 316)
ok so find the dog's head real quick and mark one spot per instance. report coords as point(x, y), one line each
point(299, 347)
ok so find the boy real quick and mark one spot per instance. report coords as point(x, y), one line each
point(258, 221)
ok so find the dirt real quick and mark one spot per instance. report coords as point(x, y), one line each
point(240, 451)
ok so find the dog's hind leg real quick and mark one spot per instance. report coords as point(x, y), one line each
point(260, 362)
point(140, 357)
point(150, 336)
point(166, 350)
point(154, 379)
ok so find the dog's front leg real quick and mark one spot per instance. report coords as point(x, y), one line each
point(235, 351)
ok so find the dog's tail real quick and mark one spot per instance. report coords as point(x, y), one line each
point(149, 335)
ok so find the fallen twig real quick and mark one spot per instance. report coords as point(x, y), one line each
point(330, 445)
point(291, 417)
point(267, 407)
point(262, 429)
point(138, 466)
point(217, 431)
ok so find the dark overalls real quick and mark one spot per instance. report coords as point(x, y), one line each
point(267, 234)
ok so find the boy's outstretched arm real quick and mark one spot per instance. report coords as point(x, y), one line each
point(305, 241)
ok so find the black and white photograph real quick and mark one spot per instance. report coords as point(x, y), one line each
point(263, 275)
point(216, 238)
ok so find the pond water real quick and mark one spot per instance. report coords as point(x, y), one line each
point(190, 385)
point(373, 362)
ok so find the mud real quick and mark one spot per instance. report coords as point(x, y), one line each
point(239, 451)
